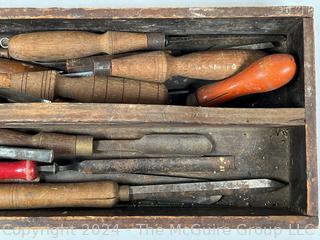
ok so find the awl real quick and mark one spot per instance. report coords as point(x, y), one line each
point(153, 145)
point(107, 194)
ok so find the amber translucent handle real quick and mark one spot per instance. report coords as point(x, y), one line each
point(264, 75)
point(47, 195)
point(159, 66)
point(62, 144)
point(60, 45)
point(49, 85)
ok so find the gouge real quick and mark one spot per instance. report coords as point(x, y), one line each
point(107, 194)
point(153, 145)
point(58, 45)
point(39, 155)
point(50, 85)
point(264, 75)
point(159, 66)
point(12, 66)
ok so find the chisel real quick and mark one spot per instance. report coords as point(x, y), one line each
point(21, 169)
point(59, 45)
point(50, 85)
point(264, 75)
point(152, 145)
point(159, 66)
point(107, 194)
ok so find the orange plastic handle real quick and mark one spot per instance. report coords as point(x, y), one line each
point(266, 74)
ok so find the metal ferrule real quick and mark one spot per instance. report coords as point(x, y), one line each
point(156, 41)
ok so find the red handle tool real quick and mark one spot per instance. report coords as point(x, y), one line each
point(19, 170)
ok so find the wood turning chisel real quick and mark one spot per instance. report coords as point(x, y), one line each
point(107, 194)
point(59, 45)
point(27, 170)
point(159, 66)
point(152, 145)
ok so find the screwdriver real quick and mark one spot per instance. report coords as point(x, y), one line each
point(152, 145)
point(264, 75)
point(159, 66)
point(107, 194)
point(51, 85)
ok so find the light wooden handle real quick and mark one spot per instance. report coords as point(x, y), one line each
point(159, 66)
point(49, 84)
point(112, 90)
point(63, 145)
point(60, 45)
point(46, 195)
point(12, 66)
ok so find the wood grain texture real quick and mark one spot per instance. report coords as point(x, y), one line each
point(159, 66)
point(26, 196)
point(33, 113)
point(50, 85)
point(145, 13)
point(60, 45)
point(62, 144)
point(11, 66)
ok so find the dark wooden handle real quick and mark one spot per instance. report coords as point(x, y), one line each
point(60, 45)
point(63, 145)
point(266, 74)
point(159, 66)
point(46, 195)
point(111, 89)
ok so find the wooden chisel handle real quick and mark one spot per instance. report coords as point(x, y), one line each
point(49, 85)
point(12, 66)
point(266, 74)
point(60, 45)
point(50, 195)
point(159, 66)
point(63, 145)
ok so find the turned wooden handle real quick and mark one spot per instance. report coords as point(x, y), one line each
point(49, 85)
point(12, 66)
point(60, 45)
point(111, 89)
point(266, 74)
point(159, 66)
point(47, 195)
point(63, 145)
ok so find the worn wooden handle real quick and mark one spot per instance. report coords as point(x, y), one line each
point(159, 66)
point(63, 145)
point(49, 85)
point(111, 89)
point(60, 45)
point(266, 74)
point(12, 66)
point(46, 195)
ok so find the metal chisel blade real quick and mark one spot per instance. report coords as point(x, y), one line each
point(39, 155)
point(167, 191)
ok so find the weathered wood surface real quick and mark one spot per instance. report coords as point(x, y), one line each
point(129, 13)
point(310, 106)
point(129, 113)
point(111, 219)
